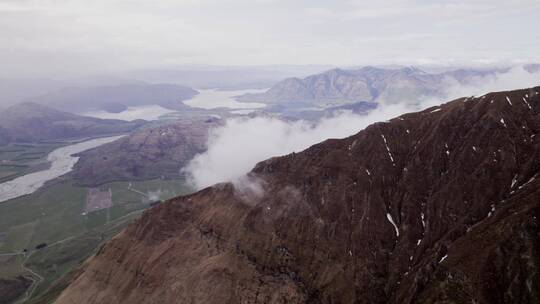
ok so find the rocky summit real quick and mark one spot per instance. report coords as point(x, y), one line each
point(439, 206)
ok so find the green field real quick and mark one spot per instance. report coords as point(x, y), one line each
point(55, 215)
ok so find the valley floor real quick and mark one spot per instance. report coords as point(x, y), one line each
point(46, 235)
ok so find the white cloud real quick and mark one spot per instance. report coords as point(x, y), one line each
point(516, 78)
point(235, 148)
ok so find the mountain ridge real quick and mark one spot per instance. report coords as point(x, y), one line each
point(431, 207)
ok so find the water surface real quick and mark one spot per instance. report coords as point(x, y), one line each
point(148, 112)
point(212, 98)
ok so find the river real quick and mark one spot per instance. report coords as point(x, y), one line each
point(62, 162)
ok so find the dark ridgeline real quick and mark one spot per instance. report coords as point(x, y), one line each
point(439, 206)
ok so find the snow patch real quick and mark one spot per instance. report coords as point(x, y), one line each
point(528, 182)
point(388, 149)
point(514, 181)
point(351, 146)
point(443, 258)
point(391, 220)
point(492, 210)
point(508, 99)
point(527, 103)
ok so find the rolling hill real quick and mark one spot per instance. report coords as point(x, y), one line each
point(116, 98)
point(31, 122)
point(149, 153)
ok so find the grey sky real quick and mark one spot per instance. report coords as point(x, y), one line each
point(63, 36)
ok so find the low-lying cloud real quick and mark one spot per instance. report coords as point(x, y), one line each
point(516, 78)
point(235, 148)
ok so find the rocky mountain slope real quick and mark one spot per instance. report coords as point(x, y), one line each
point(30, 122)
point(439, 206)
point(116, 98)
point(149, 153)
point(338, 87)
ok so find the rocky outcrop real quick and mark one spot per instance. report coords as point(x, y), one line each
point(439, 206)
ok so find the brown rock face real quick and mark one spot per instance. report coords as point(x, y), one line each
point(440, 206)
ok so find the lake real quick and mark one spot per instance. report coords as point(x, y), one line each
point(148, 112)
point(213, 98)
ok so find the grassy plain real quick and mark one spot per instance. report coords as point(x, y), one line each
point(55, 215)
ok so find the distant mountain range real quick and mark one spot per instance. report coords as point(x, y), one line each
point(16, 90)
point(332, 88)
point(369, 84)
point(31, 122)
point(226, 77)
point(438, 206)
point(116, 98)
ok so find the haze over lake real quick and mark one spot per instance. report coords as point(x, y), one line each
point(213, 98)
point(148, 112)
point(206, 99)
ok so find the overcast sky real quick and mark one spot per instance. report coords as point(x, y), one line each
point(63, 36)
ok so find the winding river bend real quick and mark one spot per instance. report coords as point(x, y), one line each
point(62, 162)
